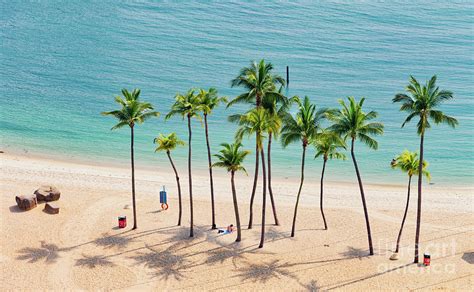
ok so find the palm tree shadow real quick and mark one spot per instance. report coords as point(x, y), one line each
point(272, 234)
point(93, 261)
point(181, 240)
point(353, 252)
point(312, 286)
point(110, 241)
point(468, 257)
point(223, 253)
point(47, 252)
point(166, 263)
point(264, 272)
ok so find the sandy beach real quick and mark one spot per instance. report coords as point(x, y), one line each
point(82, 248)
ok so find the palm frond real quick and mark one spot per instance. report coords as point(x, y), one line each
point(367, 140)
point(131, 110)
point(167, 142)
point(231, 157)
point(422, 102)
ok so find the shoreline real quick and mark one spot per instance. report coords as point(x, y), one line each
point(203, 171)
point(150, 180)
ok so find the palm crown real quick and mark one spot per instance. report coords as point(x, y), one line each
point(277, 109)
point(304, 126)
point(351, 121)
point(327, 145)
point(209, 100)
point(408, 162)
point(259, 82)
point(422, 101)
point(255, 121)
point(133, 110)
point(231, 157)
point(187, 104)
point(168, 142)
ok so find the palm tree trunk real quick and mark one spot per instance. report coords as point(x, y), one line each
point(254, 188)
point(270, 191)
point(418, 211)
point(132, 156)
point(299, 192)
point(264, 201)
point(255, 178)
point(236, 208)
point(191, 229)
point(404, 215)
point(366, 214)
point(179, 188)
point(210, 173)
point(321, 196)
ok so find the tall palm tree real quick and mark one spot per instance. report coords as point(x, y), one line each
point(408, 162)
point(301, 128)
point(259, 82)
point(231, 158)
point(187, 105)
point(209, 100)
point(327, 146)
point(132, 112)
point(351, 122)
point(422, 102)
point(277, 111)
point(168, 143)
point(257, 122)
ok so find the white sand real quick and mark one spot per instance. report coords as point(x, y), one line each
point(81, 248)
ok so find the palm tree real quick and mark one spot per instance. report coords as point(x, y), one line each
point(132, 112)
point(277, 112)
point(422, 102)
point(209, 100)
point(352, 122)
point(407, 162)
point(303, 127)
point(168, 143)
point(327, 146)
point(231, 158)
point(259, 83)
point(257, 122)
point(187, 105)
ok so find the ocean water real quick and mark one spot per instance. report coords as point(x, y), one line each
point(63, 62)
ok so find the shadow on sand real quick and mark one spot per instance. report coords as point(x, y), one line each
point(15, 209)
point(312, 286)
point(47, 252)
point(110, 241)
point(266, 271)
point(94, 261)
point(165, 263)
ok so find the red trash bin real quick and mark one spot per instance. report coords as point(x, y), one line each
point(426, 259)
point(122, 220)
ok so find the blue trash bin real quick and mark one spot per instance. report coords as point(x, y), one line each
point(163, 196)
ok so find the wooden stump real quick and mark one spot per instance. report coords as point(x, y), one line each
point(51, 209)
point(26, 202)
point(47, 194)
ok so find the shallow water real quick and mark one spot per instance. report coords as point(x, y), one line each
point(62, 63)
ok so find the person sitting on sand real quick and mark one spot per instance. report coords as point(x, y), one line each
point(228, 230)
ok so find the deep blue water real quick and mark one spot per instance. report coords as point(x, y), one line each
point(62, 63)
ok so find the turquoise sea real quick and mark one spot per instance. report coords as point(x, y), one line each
point(63, 61)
